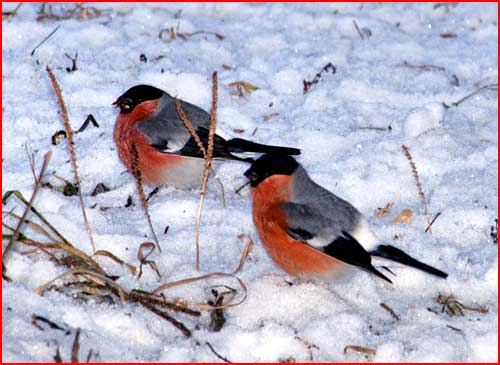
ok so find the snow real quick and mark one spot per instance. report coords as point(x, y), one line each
point(423, 119)
point(274, 47)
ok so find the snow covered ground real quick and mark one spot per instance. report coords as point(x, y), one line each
point(395, 65)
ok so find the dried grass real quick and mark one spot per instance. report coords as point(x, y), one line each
point(207, 154)
point(197, 139)
point(421, 67)
point(391, 311)
point(116, 259)
point(136, 171)
point(174, 33)
point(208, 164)
point(489, 87)
point(71, 145)
point(241, 87)
point(317, 77)
point(22, 219)
point(9, 14)
point(76, 347)
point(216, 354)
point(452, 307)
point(432, 221)
point(37, 321)
point(363, 350)
point(167, 317)
point(79, 12)
point(85, 274)
point(382, 212)
point(87, 278)
point(45, 39)
point(230, 303)
point(143, 258)
point(90, 119)
point(419, 185)
point(190, 127)
point(73, 60)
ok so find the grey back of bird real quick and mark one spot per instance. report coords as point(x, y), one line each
point(167, 129)
point(318, 211)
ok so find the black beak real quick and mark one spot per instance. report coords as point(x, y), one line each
point(251, 175)
point(117, 102)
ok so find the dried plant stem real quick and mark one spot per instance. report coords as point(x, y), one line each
point(164, 315)
point(87, 276)
point(198, 223)
point(208, 164)
point(391, 311)
point(71, 144)
point(222, 192)
point(364, 350)
point(64, 244)
point(419, 185)
point(207, 154)
point(31, 159)
point(216, 354)
point(135, 296)
point(489, 87)
point(136, 171)
point(76, 347)
point(45, 39)
point(202, 306)
point(213, 120)
point(9, 14)
point(38, 181)
point(357, 28)
point(432, 222)
point(240, 188)
point(101, 279)
point(199, 143)
point(190, 127)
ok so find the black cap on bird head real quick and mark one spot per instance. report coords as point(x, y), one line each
point(269, 165)
point(136, 95)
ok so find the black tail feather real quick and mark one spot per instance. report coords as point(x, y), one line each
point(238, 145)
point(388, 270)
point(395, 254)
point(378, 273)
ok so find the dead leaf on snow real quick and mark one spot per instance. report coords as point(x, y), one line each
point(382, 212)
point(242, 86)
point(404, 217)
point(269, 116)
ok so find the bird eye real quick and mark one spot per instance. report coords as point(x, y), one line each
point(127, 104)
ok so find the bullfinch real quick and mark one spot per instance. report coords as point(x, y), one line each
point(168, 154)
point(310, 232)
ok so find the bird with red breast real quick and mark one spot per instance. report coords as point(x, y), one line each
point(309, 231)
point(167, 153)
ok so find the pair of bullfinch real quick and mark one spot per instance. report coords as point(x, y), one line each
point(307, 230)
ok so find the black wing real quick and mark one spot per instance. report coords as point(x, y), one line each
point(347, 249)
point(344, 247)
point(220, 150)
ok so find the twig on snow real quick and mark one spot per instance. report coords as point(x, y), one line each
point(45, 39)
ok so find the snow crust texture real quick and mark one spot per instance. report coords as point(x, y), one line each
point(395, 66)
